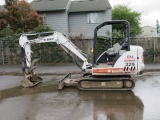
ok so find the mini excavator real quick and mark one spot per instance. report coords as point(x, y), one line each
point(112, 70)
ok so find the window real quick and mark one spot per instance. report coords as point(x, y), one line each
point(44, 17)
point(94, 17)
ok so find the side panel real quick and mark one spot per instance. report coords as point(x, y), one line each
point(128, 61)
point(125, 65)
point(141, 65)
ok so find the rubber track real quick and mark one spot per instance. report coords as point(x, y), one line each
point(108, 78)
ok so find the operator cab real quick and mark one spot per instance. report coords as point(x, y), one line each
point(111, 55)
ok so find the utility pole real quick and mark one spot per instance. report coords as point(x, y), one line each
point(158, 32)
point(158, 28)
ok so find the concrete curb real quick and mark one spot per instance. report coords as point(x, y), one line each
point(19, 90)
point(41, 74)
point(152, 70)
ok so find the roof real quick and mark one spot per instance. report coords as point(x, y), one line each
point(75, 6)
point(89, 5)
point(49, 5)
point(148, 26)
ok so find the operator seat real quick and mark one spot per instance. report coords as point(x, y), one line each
point(110, 56)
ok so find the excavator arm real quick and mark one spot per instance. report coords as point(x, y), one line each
point(46, 37)
point(56, 37)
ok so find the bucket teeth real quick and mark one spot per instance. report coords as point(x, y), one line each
point(35, 78)
point(31, 81)
point(26, 82)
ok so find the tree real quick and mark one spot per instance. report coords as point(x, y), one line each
point(122, 12)
point(10, 2)
point(3, 21)
point(21, 16)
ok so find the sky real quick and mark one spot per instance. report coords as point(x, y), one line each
point(149, 9)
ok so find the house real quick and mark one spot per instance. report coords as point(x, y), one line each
point(148, 31)
point(2, 8)
point(74, 17)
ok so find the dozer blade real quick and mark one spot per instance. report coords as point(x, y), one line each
point(67, 81)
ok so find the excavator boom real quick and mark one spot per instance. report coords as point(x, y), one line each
point(31, 78)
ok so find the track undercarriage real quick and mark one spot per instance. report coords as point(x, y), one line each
point(89, 82)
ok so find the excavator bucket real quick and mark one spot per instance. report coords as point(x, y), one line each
point(31, 79)
point(26, 82)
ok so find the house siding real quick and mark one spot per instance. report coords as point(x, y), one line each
point(148, 31)
point(78, 24)
point(57, 21)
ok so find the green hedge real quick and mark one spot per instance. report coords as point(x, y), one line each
point(50, 53)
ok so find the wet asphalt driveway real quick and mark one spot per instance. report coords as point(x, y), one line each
point(44, 102)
